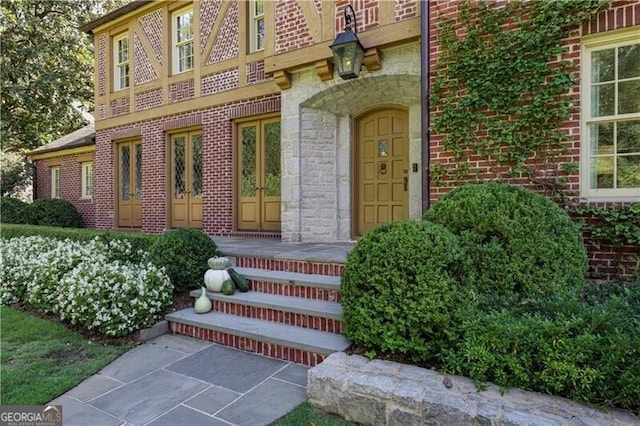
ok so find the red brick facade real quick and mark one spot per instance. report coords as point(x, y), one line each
point(70, 184)
point(233, 83)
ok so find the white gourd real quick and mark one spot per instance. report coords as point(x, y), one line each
point(214, 278)
point(203, 303)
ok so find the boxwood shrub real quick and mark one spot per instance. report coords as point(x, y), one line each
point(183, 253)
point(53, 212)
point(521, 246)
point(12, 210)
point(401, 289)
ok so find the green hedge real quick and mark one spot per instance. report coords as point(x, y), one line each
point(401, 289)
point(53, 212)
point(12, 210)
point(521, 245)
point(492, 286)
point(183, 253)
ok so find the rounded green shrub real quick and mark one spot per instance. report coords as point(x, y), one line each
point(53, 212)
point(183, 253)
point(401, 289)
point(12, 210)
point(520, 245)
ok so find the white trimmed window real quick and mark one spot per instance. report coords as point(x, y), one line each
point(55, 182)
point(182, 40)
point(121, 66)
point(611, 117)
point(87, 180)
point(257, 25)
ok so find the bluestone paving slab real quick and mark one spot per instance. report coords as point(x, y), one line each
point(213, 399)
point(184, 416)
point(180, 343)
point(140, 361)
point(94, 386)
point(143, 400)
point(293, 373)
point(232, 369)
point(76, 413)
point(264, 404)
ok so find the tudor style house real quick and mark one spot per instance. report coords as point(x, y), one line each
point(231, 116)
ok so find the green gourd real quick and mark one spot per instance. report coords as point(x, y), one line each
point(228, 288)
point(239, 280)
point(218, 262)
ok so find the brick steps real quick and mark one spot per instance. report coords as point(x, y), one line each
point(272, 339)
point(294, 316)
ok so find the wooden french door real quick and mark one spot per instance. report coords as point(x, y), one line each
point(186, 180)
point(129, 170)
point(382, 163)
point(258, 175)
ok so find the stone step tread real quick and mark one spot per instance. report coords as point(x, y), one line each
point(296, 278)
point(298, 305)
point(306, 339)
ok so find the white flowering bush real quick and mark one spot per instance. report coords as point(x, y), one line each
point(85, 283)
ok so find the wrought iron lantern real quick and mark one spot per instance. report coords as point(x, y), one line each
point(347, 49)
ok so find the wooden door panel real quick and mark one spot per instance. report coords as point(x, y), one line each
point(186, 184)
point(259, 176)
point(381, 169)
point(129, 184)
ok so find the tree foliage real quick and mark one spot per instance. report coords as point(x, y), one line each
point(47, 68)
point(15, 173)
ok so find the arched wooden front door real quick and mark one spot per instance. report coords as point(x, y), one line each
point(381, 169)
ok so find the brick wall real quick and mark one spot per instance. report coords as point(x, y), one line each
point(120, 106)
point(101, 64)
point(181, 91)
point(255, 73)
point(209, 10)
point(148, 99)
point(153, 27)
point(220, 82)
point(217, 144)
point(604, 262)
point(292, 30)
point(143, 72)
point(226, 45)
point(70, 186)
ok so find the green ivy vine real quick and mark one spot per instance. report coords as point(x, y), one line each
point(500, 90)
point(619, 225)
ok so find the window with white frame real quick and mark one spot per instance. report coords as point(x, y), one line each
point(55, 182)
point(257, 25)
point(611, 117)
point(87, 180)
point(182, 40)
point(121, 62)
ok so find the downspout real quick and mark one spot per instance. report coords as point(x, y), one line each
point(424, 103)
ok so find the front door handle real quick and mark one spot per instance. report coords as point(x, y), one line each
point(405, 181)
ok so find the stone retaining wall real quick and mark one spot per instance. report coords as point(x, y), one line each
point(387, 393)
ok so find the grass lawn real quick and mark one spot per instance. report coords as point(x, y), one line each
point(41, 360)
point(306, 415)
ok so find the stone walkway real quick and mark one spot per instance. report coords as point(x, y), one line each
point(175, 380)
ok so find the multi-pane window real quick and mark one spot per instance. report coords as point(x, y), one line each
point(257, 25)
point(611, 155)
point(182, 40)
point(55, 182)
point(121, 62)
point(87, 180)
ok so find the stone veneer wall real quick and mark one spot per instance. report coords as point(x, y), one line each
point(387, 393)
point(317, 143)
